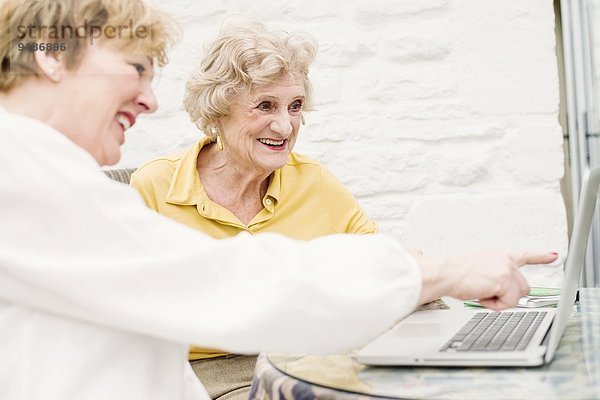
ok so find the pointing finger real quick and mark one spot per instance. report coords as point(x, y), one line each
point(534, 258)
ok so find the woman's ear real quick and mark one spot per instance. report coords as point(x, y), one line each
point(49, 64)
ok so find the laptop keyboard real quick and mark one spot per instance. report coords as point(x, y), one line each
point(496, 331)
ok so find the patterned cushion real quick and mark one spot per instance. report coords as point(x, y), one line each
point(120, 175)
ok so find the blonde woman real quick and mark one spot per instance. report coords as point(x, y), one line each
point(99, 296)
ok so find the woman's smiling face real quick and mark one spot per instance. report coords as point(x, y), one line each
point(262, 126)
point(110, 89)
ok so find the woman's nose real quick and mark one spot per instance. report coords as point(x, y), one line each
point(282, 124)
point(147, 100)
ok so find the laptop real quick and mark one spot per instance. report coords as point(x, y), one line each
point(468, 337)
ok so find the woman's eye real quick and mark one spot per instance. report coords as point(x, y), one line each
point(296, 106)
point(139, 68)
point(265, 106)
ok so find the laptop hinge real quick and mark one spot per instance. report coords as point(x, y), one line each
point(547, 335)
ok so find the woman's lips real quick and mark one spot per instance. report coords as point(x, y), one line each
point(125, 119)
point(273, 144)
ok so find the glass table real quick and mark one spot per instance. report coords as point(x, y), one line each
point(573, 374)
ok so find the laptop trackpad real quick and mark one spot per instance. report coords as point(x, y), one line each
point(421, 330)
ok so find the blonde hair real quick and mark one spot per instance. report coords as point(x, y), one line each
point(245, 55)
point(73, 24)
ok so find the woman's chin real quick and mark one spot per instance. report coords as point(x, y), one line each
point(109, 158)
point(270, 165)
point(271, 161)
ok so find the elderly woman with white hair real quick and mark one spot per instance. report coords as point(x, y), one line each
point(249, 96)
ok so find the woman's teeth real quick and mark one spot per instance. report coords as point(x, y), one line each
point(271, 142)
point(123, 121)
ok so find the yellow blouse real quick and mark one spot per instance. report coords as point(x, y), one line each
point(303, 200)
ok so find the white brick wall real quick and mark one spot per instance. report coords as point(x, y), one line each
point(439, 115)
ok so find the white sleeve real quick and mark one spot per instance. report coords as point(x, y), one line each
point(74, 243)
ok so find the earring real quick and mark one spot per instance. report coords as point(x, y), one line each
point(215, 133)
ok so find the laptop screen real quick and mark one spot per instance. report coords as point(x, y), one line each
point(575, 258)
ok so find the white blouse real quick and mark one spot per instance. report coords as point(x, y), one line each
point(100, 296)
